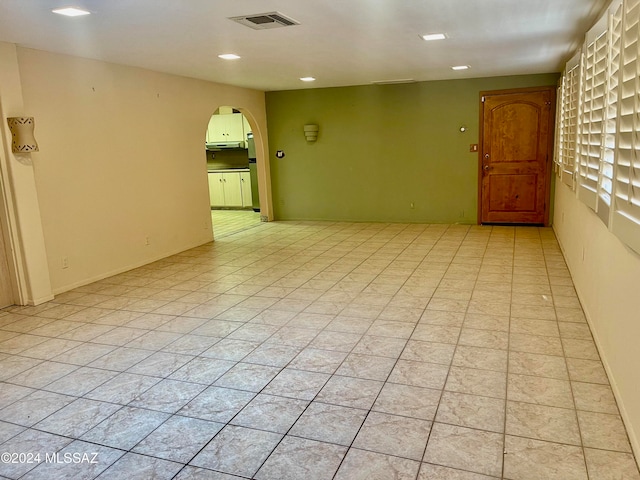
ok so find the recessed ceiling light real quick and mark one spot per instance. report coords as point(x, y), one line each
point(229, 56)
point(71, 12)
point(433, 36)
point(460, 67)
point(307, 79)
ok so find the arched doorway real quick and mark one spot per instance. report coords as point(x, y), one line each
point(232, 171)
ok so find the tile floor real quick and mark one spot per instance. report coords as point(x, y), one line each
point(228, 222)
point(312, 351)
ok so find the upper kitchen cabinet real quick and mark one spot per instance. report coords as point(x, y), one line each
point(228, 126)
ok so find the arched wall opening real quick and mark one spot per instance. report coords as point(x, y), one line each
point(237, 170)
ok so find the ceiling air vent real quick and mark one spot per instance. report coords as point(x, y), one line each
point(263, 21)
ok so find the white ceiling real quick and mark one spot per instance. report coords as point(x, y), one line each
point(340, 42)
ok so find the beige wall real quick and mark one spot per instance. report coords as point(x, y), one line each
point(121, 160)
point(19, 207)
point(607, 281)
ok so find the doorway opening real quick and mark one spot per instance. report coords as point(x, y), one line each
point(232, 172)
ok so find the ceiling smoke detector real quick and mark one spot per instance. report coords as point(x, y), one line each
point(264, 21)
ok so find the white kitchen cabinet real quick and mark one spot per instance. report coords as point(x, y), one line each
point(226, 128)
point(216, 190)
point(245, 183)
point(225, 189)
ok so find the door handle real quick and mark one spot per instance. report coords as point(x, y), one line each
point(486, 168)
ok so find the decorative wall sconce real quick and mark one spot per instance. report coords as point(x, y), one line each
point(23, 140)
point(311, 132)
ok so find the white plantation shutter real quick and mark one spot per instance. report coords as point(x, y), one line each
point(557, 152)
point(626, 216)
point(570, 97)
point(605, 179)
point(592, 109)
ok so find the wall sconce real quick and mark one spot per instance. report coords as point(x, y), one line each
point(23, 140)
point(311, 132)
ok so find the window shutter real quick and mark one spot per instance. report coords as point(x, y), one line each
point(594, 77)
point(605, 180)
point(626, 216)
point(570, 119)
point(557, 154)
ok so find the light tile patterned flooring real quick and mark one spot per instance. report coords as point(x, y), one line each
point(309, 351)
point(228, 222)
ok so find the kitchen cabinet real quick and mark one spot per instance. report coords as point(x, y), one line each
point(216, 190)
point(245, 184)
point(225, 189)
point(226, 128)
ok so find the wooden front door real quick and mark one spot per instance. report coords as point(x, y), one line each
point(515, 158)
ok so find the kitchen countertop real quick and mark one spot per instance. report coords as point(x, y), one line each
point(228, 170)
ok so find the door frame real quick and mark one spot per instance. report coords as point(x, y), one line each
point(549, 167)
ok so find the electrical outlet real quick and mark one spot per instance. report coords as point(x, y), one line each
point(584, 253)
point(65, 262)
point(412, 205)
point(146, 240)
point(461, 214)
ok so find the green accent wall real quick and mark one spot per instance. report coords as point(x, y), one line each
point(380, 149)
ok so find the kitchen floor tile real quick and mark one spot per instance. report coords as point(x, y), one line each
point(297, 458)
point(29, 441)
point(416, 402)
point(365, 465)
point(87, 460)
point(125, 428)
point(237, 450)
point(329, 423)
point(34, 407)
point(350, 392)
point(476, 382)
point(319, 350)
point(271, 413)
point(178, 439)
point(458, 447)
point(603, 431)
point(419, 374)
point(528, 459)
point(471, 411)
point(540, 390)
point(605, 465)
point(394, 435)
point(541, 422)
point(132, 466)
point(77, 418)
point(217, 404)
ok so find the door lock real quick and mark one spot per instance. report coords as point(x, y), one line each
point(486, 168)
